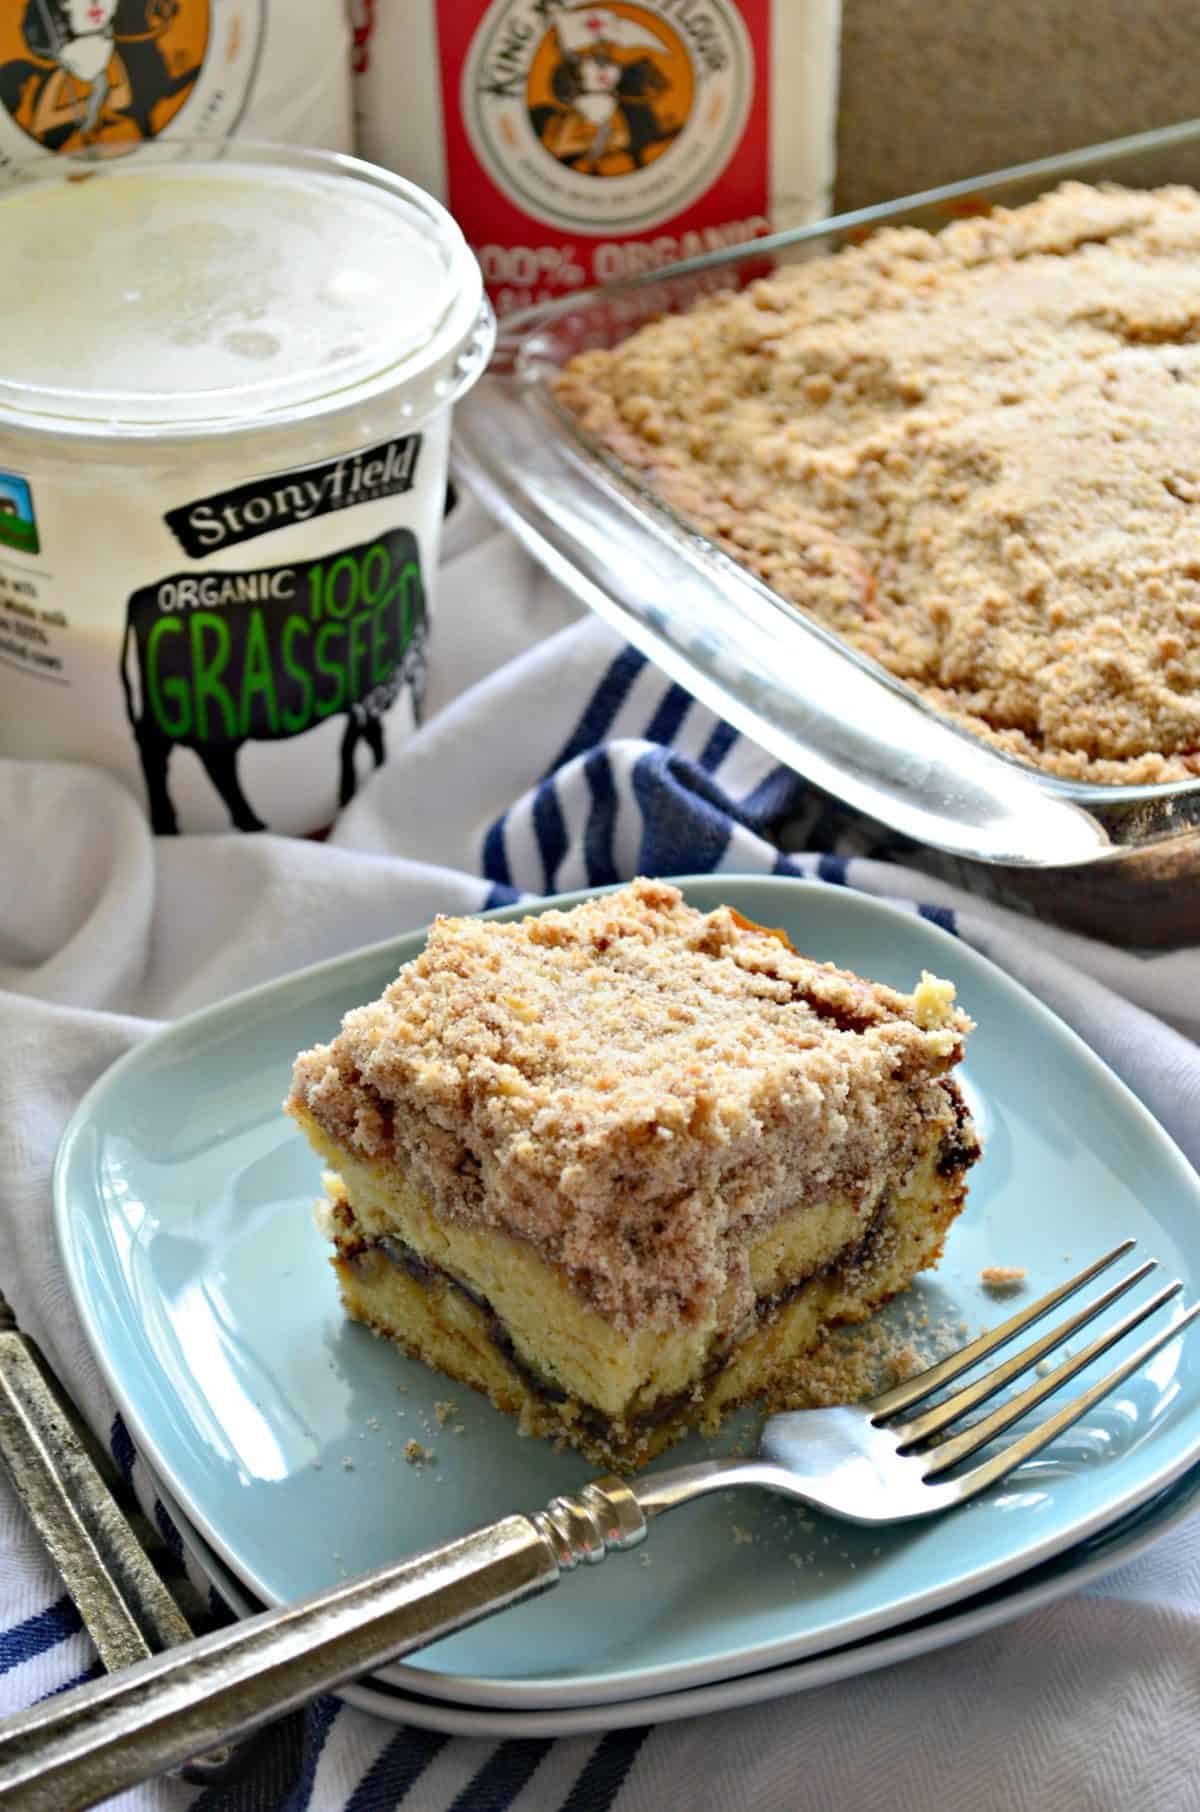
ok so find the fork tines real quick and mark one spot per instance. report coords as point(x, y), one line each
point(916, 1432)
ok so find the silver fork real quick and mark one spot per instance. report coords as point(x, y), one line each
point(58, 1471)
point(873, 1463)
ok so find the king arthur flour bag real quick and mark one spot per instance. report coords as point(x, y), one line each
point(578, 144)
point(77, 75)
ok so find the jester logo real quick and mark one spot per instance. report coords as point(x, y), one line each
point(610, 89)
point(79, 73)
point(607, 119)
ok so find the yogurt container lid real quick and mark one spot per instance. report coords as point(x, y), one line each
point(207, 289)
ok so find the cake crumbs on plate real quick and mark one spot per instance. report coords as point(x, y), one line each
point(415, 1454)
point(740, 1535)
point(905, 1362)
point(443, 1411)
point(1002, 1279)
point(854, 1363)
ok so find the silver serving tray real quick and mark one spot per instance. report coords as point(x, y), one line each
point(1122, 862)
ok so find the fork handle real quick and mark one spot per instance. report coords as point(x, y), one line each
point(82, 1746)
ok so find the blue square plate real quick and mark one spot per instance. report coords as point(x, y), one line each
point(1075, 1570)
point(183, 1201)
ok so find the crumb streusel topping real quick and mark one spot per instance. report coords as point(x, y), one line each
point(972, 454)
point(636, 1088)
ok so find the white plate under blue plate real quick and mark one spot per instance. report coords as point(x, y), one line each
point(183, 1202)
point(1081, 1566)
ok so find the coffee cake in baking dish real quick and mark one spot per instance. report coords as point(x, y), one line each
point(973, 454)
point(619, 1167)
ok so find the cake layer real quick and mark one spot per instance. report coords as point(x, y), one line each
point(549, 1329)
point(639, 1093)
point(564, 1377)
point(620, 1166)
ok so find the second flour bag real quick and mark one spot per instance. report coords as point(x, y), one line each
point(584, 144)
point(96, 77)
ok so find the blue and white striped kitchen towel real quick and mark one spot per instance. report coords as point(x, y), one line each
point(555, 757)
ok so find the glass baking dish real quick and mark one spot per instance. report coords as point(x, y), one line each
point(1119, 862)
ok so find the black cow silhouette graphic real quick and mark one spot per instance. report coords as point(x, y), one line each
point(213, 660)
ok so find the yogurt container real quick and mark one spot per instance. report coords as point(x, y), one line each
point(224, 427)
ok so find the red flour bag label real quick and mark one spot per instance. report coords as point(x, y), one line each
point(589, 143)
point(582, 144)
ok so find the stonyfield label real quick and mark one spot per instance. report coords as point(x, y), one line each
point(264, 505)
point(216, 659)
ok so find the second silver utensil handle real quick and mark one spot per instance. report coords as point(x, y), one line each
point(75, 1750)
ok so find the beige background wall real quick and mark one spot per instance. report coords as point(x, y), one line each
point(932, 90)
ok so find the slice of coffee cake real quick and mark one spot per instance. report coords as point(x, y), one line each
point(619, 1167)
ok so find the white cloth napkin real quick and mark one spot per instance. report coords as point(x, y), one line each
point(555, 757)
